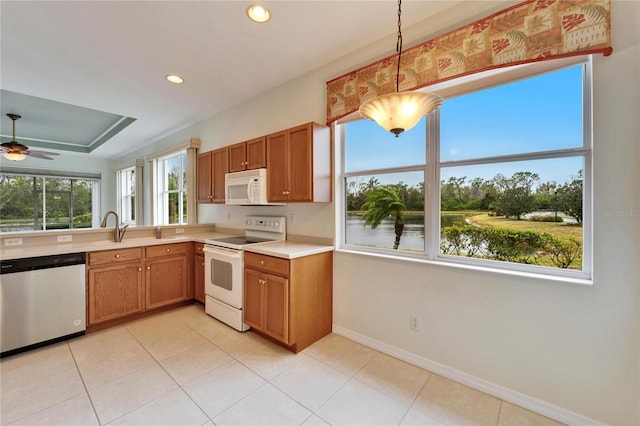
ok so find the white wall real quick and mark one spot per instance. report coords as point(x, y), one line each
point(571, 346)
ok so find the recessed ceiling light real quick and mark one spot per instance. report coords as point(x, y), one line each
point(258, 13)
point(175, 79)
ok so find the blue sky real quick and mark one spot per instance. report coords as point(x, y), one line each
point(536, 114)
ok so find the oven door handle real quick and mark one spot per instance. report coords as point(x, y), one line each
point(221, 251)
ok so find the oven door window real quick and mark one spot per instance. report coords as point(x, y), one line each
point(222, 274)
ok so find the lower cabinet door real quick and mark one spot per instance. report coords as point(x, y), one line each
point(276, 320)
point(114, 292)
point(166, 281)
point(198, 270)
point(253, 298)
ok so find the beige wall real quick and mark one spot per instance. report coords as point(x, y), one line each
point(572, 348)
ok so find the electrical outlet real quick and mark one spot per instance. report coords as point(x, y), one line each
point(65, 238)
point(13, 242)
point(414, 322)
point(179, 230)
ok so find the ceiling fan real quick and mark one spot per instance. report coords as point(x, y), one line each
point(15, 151)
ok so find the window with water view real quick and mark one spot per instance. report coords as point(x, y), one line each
point(504, 171)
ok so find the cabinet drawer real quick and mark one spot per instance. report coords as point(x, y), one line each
point(271, 264)
point(119, 255)
point(198, 248)
point(166, 250)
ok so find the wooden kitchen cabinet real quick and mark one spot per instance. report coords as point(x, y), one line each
point(167, 275)
point(128, 282)
point(211, 168)
point(204, 177)
point(198, 272)
point(299, 164)
point(289, 300)
point(115, 285)
point(248, 155)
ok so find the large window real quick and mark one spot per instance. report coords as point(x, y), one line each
point(172, 189)
point(37, 203)
point(497, 177)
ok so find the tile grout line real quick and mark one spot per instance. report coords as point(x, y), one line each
point(84, 385)
point(179, 386)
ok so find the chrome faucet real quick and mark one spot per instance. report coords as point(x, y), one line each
point(118, 232)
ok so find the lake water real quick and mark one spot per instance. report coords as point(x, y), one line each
point(384, 235)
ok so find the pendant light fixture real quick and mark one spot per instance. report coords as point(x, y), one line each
point(400, 111)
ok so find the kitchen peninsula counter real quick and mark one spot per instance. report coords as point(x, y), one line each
point(46, 249)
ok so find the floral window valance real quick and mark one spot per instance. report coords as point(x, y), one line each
point(534, 30)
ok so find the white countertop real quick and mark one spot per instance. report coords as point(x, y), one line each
point(287, 249)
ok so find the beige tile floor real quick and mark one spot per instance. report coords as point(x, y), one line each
point(185, 368)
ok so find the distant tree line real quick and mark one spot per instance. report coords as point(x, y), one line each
point(513, 196)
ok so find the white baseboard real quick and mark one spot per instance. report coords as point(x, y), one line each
point(533, 404)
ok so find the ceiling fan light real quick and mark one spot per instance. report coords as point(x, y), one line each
point(400, 111)
point(14, 156)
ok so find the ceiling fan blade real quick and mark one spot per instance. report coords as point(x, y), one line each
point(33, 151)
point(40, 155)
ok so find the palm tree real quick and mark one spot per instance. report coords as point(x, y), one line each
point(382, 202)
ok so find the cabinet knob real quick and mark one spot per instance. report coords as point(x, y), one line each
point(117, 256)
point(139, 269)
point(262, 262)
point(148, 268)
point(168, 250)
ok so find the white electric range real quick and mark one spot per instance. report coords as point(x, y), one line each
point(224, 267)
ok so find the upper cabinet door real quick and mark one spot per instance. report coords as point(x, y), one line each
point(301, 163)
point(247, 155)
point(256, 153)
point(204, 179)
point(277, 167)
point(238, 157)
point(220, 162)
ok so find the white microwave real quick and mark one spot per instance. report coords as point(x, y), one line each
point(246, 188)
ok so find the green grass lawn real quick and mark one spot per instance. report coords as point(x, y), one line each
point(557, 229)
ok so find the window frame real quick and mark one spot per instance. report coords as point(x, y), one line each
point(432, 171)
point(162, 191)
point(126, 200)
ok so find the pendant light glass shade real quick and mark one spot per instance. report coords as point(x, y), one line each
point(400, 111)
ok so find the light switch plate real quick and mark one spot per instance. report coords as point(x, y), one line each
point(65, 238)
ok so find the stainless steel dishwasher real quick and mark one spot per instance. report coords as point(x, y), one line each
point(42, 301)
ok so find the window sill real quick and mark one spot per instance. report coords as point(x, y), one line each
point(477, 268)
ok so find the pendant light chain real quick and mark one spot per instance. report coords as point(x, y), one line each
point(399, 44)
point(399, 111)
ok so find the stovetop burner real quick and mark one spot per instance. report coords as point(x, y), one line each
point(239, 240)
point(258, 229)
